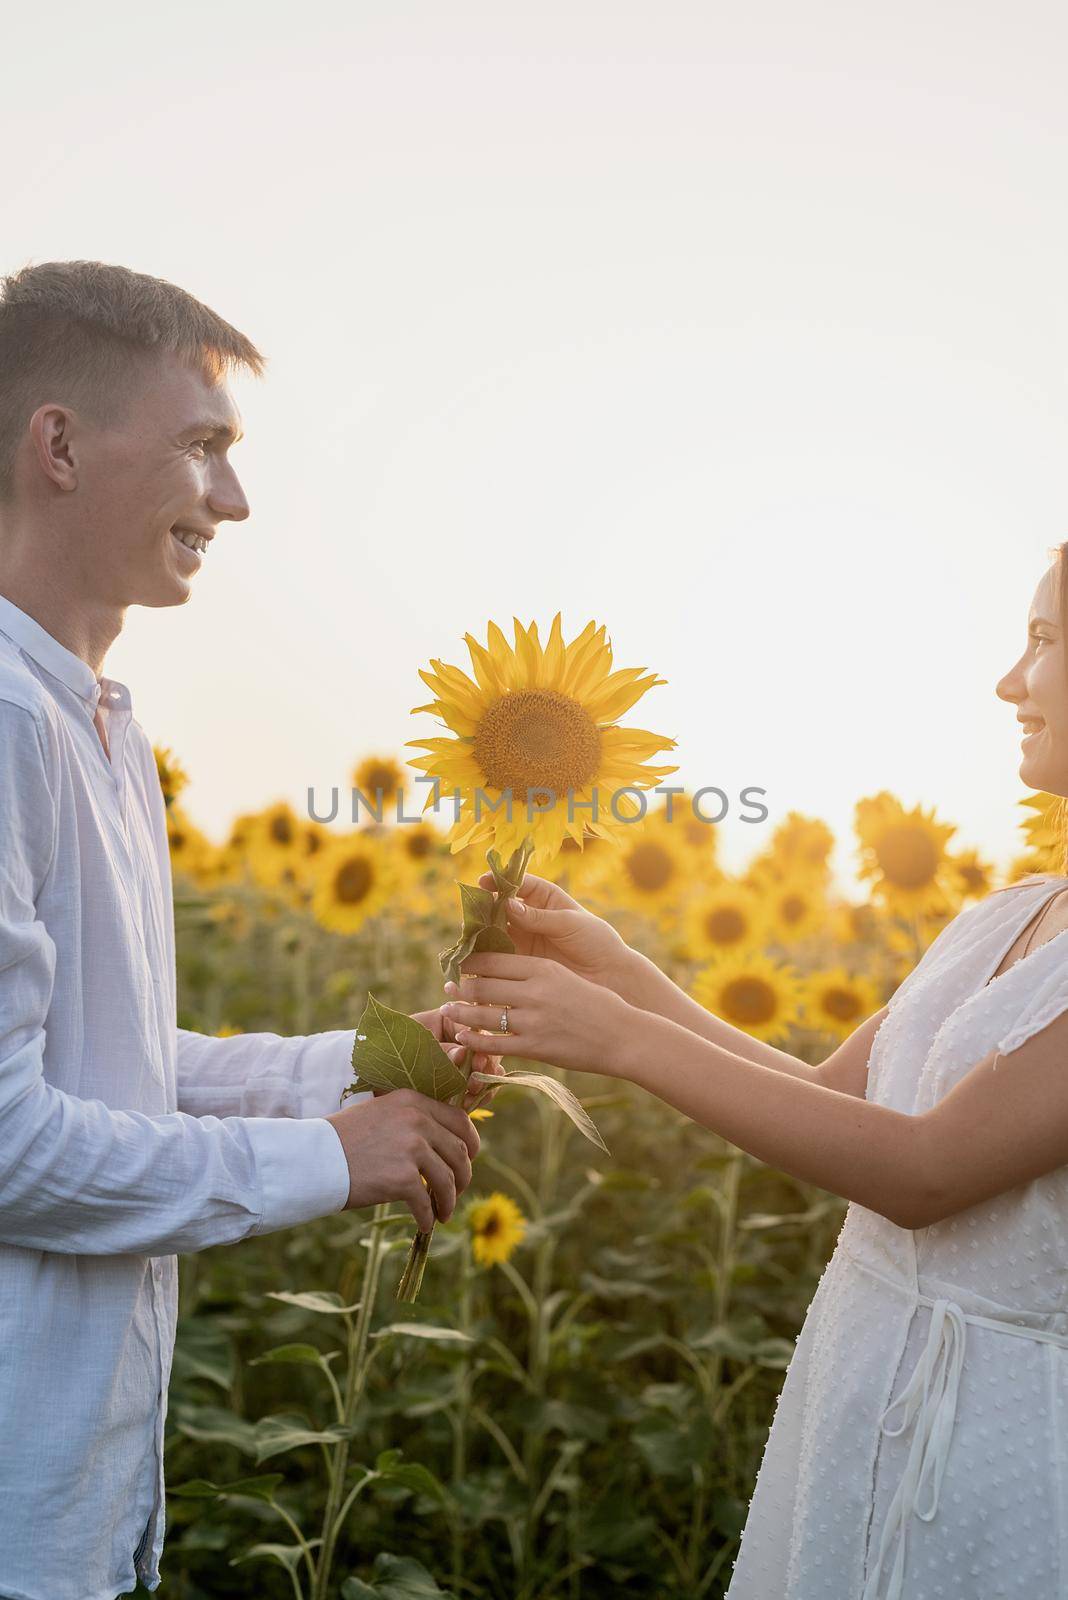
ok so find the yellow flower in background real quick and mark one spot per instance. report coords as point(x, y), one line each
point(353, 878)
point(904, 852)
point(540, 721)
point(1045, 830)
point(854, 922)
point(380, 779)
point(761, 996)
point(651, 870)
point(191, 851)
point(803, 843)
point(497, 1225)
point(726, 918)
point(971, 876)
point(172, 775)
point(835, 1003)
point(796, 908)
point(480, 1113)
point(418, 846)
point(701, 838)
point(228, 1033)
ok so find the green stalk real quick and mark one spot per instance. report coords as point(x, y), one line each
point(359, 1334)
point(459, 1429)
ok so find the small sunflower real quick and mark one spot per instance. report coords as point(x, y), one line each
point(352, 879)
point(651, 871)
point(972, 877)
point(854, 922)
point(795, 907)
point(191, 851)
point(418, 845)
point(275, 844)
point(904, 852)
point(701, 838)
point(760, 996)
point(726, 918)
point(227, 1032)
point(497, 1225)
point(835, 1003)
point(379, 779)
point(172, 775)
point(539, 724)
point(803, 843)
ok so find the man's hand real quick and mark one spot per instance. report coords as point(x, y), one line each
point(443, 1028)
point(395, 1141)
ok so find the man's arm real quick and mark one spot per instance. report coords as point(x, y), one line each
point(265, 1074)
point(78, 1177)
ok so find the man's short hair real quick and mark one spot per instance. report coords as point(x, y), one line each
point(84, 334)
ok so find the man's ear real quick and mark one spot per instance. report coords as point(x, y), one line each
point(51, 431)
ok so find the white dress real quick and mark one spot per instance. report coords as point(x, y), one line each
point(919, 1447)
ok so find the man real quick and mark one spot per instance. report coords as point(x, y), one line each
point(124, 1140)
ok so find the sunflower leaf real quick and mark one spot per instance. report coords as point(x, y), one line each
point(555, 1090)
point(393, 1051)
point(484, 916)
point(508, 878)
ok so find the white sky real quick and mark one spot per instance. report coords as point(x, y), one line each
point(741, 328)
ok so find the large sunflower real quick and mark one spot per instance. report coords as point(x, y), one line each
point(352, 879)
point(905, 853)
point(762, 997)
point(538, 723)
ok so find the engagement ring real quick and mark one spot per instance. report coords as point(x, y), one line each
point(504, 1021)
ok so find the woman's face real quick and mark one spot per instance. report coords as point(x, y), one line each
point(1037, 685)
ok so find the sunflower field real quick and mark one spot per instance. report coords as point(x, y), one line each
point(577, 1405)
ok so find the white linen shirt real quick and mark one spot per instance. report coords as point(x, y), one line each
point(124, 1140)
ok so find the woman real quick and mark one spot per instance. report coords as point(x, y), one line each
point(920, 1441)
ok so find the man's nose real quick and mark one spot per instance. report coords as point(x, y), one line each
point(227, 499)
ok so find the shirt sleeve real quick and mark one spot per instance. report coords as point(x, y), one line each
point(78, 1177)
point(266, 1074)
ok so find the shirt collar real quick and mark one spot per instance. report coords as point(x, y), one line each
point(55, 658)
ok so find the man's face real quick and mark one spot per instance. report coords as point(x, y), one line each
point(164, 467)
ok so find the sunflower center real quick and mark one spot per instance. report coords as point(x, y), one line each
point(749, 1000)
point(380, 778)
point(537, 739)
point(793, 908)
point(352, 881)
point(842, 1004)
point(419, 845)
point(490, 1226)
point(281, 830)
point(907, 856)
point(725, 925)
point(650, 866)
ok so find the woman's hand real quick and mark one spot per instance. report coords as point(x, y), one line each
point(545, 921)
point(554, 1014)
point(441, 1025)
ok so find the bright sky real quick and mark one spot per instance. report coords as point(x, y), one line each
point(742, 329)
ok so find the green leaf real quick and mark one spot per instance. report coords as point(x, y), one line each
point(203, 1350)
point(324, 1301)
point(261, 1488)
point(424, 1330)
point(394, 1052)
point(509, 877)
point(212, 1425)
point(297, 1354)
point(287, 1555)
point(484, 929)
point(395, 1578)
point(275, 1434)
point(555, 1090)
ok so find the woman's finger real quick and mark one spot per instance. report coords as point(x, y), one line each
point(465, 1015)
point(502, 1044)
point(479, 991)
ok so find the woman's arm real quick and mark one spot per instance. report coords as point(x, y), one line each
point(1003, 1124)
point(545, 921)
